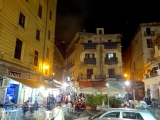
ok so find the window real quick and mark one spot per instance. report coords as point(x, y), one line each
point(48, 53)
point(50, 15)
point(40, 11)
point(49, 34)
point(111, 72)
point(89, 41)
point(109, 40)
point(18, 49)
point(21, 20)
point(89, 55)
point(110, 55)
point(148, 31)
point(149, 43)
point(112, 115)
point(93, 55)
point(100, 31)
point(89, 73)
point(36, 58)
point(38, 35)
point(132, 115)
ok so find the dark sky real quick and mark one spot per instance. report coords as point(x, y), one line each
point(115, 16)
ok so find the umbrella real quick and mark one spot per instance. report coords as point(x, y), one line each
point(88, 90)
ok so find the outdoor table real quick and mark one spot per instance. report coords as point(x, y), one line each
point(9, 105)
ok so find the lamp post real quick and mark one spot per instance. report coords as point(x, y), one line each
point(133, 91)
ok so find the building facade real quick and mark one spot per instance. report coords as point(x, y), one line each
point(27, 30)
point(94, 58)
point(58, 66)
point(139, 53)
point(152, 72)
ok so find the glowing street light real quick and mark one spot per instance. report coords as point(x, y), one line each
point(125, 75)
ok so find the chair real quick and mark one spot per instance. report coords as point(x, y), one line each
point(2, 113)
point(65, 110)
point(48, 115)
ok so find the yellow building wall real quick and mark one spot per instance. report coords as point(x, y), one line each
point(10, 30)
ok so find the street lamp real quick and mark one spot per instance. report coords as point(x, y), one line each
point(133, 91)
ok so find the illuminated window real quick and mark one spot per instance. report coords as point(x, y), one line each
point(110, 55)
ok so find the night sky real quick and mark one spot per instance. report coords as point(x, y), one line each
point(114, 16)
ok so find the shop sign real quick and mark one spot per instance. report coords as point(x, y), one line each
point(34, 77)
point(14, 74)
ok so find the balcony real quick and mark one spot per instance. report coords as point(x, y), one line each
point(155, 60)
point(91, 77)
point(90, 61)
point(89, 45)
point(148, 33)
point(110, 45)
point(111, 61)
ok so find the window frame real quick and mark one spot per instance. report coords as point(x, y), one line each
point(22, 19)
point(38, 34)
point(40, 8)
point(149, 43)
point(18, 49)
point(50, 15)
point(36, 54)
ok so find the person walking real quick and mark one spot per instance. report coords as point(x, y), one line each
point(57, 112)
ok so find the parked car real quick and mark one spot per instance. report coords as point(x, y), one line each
point(121, 114)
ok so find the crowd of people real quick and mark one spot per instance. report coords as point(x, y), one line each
point(54, 104)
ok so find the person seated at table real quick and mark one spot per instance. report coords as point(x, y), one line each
point(35, 107)
point(25, 107)
point(77, 106)
point(83, 105)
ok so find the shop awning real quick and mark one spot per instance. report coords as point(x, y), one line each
point(85, 84)
point(47, 85)
point(27, 82)
point(32, 83)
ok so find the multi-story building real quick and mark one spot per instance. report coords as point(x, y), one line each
point(27, 30)
point(139, 53)
point(152, 72)
point(94, 58)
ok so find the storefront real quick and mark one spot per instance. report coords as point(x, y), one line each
point(21, 85)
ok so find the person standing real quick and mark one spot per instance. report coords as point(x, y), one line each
point(58, 113)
